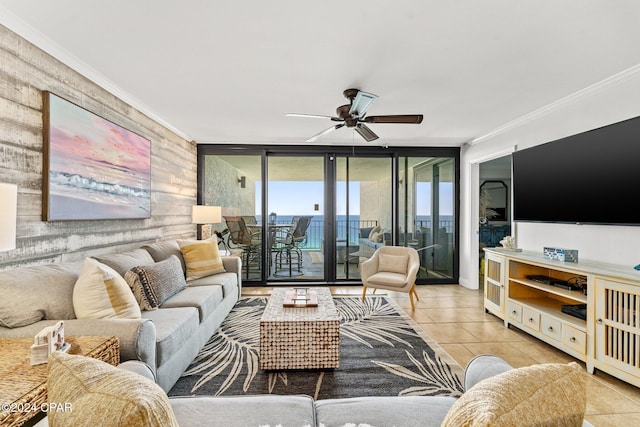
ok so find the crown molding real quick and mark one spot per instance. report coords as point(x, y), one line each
point(35, 37)
point(529, 117)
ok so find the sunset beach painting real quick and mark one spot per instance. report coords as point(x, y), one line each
point(94, 169)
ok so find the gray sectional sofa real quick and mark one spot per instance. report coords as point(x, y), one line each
point(481, 374)
point(166, 339)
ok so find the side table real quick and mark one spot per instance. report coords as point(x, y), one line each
point(23, 388)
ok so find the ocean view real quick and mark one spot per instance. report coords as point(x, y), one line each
point(315, 232)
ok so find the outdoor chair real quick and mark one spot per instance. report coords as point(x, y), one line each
point(288, 246)
point(241, 237)
point(392, 268)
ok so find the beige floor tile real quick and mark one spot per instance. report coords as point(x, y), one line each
point(602, 399)
point(459, 352)
point(511, 355)
point(448, 333)
point(492, 331)
point(615, 420)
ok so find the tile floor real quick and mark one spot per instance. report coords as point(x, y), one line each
point(454, 316)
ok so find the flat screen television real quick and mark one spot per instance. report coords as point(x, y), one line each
point(589, 178)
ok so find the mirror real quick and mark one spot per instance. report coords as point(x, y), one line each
point(493, 200)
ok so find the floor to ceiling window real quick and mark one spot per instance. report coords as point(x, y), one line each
point(325, 210)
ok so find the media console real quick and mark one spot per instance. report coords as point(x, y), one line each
point(597, 322)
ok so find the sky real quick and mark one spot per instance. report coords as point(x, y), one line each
point(299, 198)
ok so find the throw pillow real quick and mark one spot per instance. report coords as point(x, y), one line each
point(543, 395)
point(101, 293)
point(374, 231)
point(154, 284)
point(393, 263)
point(98, 394)
point(201, 257)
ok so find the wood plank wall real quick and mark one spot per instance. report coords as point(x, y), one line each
point(25, 71)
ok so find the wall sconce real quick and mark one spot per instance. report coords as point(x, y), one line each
point(243, 181)
point(202, 215)
point(8, 216)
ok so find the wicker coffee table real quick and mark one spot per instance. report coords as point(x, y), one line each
point(23, 388)
point(300, 338)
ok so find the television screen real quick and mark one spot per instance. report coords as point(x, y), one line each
point(589, 178)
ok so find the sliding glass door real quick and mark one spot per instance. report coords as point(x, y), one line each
point(295, 202)
point(363, 220)
point(427, 223)
point(314, 214)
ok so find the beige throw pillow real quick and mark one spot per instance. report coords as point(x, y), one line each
point(154, 284)
point(101, 293)
point(97, 394)
point(374, 231)
point(201, 257)
point(393, 263)
point(540, 395)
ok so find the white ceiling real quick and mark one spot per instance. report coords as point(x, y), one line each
point(227, 72)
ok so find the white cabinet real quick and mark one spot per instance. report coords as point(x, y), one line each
point(617, 328)
point(494, 280)
point(608, 339)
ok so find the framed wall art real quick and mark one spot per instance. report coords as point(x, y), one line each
point(93, 168)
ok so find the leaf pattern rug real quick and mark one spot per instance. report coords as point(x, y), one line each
point(383, 352)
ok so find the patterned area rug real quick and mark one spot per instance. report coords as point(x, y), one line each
point(383, 352)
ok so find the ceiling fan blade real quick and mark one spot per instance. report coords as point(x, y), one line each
point(324, 132)
point(314, 116)
point(361, 103)
point(366, 133)
point(398, 118)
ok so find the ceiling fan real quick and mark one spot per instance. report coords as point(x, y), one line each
point(353, 115)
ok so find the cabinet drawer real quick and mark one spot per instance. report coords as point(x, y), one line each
point(514, 311)
point(574, 339)
point(531, 318)
point(551, 327)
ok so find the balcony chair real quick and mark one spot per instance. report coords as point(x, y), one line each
point(241, 237)
point(392, 268)
point(287, 247)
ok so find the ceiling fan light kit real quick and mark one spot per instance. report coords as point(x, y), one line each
point(352, 115)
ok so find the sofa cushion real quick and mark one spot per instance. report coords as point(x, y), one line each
point(123, 262)
point(243, 411)
point(31, 294)
point(544, 395)
point(397, 411)
point(228, 281)
point(99, 394)
point(174, 327)
point(387, 278)
point(160, 251)
point(202, 257)
point(154, 284)
point(375, 230)
point(101, 293)
point(204, 298)
point(393, 263)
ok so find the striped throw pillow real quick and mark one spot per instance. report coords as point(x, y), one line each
point(201, 257)
point(101, 293)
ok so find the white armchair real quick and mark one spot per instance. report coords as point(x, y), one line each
point(393, 268)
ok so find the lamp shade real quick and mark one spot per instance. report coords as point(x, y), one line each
point(206, 214)
point(8, 214)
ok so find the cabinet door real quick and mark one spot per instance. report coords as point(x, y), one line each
point(494, 277)
point(617, 330)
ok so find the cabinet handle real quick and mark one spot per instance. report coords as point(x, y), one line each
point(530, 319)
point(550, 329)
point(572, 339)
point(514, 312)
point(599, 321)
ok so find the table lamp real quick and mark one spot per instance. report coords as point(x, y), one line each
point(202, 215)
point(8, 214)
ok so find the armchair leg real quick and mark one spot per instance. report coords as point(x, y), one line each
point(413, 292)
point(364, 292)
